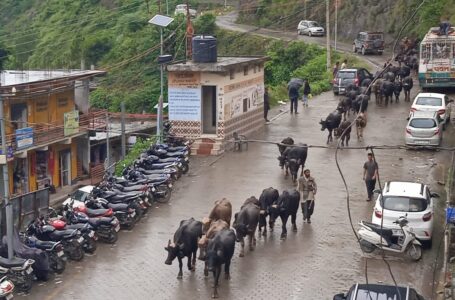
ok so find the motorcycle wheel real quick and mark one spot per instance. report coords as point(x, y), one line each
point(57, 264)
point(26, 283)
point(113, 237)
point(367, 247)
point(41, 275)
point(76, 253)
point(166, 196)
point(90, 246)
point(131, 224)
point(139, 214)
point(185, 168)
point(415, 252)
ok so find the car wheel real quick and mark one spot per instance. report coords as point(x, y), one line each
point(335, 93)
point(363, 51)
point(354, 48)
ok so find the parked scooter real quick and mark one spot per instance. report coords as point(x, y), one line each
point(373, 237)
point(19, 271)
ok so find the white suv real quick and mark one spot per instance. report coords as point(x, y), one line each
point(433, 102)
point(181, 9)
point(410, 199)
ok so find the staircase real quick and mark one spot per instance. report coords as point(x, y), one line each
point(207, 146)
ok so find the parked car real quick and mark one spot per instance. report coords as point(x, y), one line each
point(345, 77)
point(379, 291)
point(406, 198)
point(369, 42)
point(310, 28)
point(424, 128)
point(80, 194)
point(433, 102)
point(181, 9)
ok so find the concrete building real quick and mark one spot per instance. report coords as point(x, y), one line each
point(208, 102)
point(47, 123)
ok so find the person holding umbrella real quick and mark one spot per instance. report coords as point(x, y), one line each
point(293, 91)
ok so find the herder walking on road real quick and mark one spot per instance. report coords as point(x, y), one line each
point(293, 92)
point(370, 174)
point(306, 92)
point(266, 104)
point(308, 188)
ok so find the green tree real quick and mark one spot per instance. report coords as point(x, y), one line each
point(205, 24)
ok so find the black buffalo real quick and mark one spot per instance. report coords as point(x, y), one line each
point(332, 121)
point(404, 71)
point(282, 147)
point(286, 205)
point(397, 87)
point(344, 132)
point(407, 86)
point(245, 223)
point(184, 244)
point(220, 251)
point(295, 157)
point(361, 103)
point(266, 200)
point(387, 90)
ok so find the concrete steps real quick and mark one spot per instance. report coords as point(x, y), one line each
point(207, 146)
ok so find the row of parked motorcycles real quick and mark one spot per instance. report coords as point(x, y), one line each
point(90, 215)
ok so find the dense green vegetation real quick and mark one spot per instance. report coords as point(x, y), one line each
point(384, 15)
point(139, 147)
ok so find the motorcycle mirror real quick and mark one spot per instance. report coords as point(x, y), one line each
point(434, 195)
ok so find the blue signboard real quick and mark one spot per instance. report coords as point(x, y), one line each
point(24, 138)
point(9, 153)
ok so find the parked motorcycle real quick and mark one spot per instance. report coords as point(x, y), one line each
point(6, 288)
point(19, 271)
point(373, 237)
point(87, 232)
point(55, 252)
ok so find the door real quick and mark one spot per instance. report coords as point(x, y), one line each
point(208, 109)
point(65, 168)
point(19, 115)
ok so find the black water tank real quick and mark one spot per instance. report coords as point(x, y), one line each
point(204, 49)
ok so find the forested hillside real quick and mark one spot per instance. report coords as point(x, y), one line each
point(353, 15)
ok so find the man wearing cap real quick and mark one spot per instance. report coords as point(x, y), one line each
point(308, 188)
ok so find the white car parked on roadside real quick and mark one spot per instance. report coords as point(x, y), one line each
point(424, 129)
point(433, 102)
point(310, 28)
point(181, 9)
point(410, 199)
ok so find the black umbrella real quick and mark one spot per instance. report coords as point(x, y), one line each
point(296, 83)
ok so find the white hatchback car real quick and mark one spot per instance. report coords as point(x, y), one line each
point(433, 102)
point(424, 129)
point(310, 28)
point(410, 199)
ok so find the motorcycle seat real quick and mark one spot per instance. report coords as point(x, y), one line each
point(80, 226)
point(132, 188)
point(44, 244)
point(385, 232)
point(97, 212)
point(14, 262)
point(99, 221)
point(64, 233)
point(118, 206)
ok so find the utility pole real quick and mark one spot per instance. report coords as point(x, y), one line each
point(160, 100)
point(189, 33)
point(304, 9)
point(122, 108)
point(108, 144)
point(8, 206)
point(327, 20)
point(336, 24)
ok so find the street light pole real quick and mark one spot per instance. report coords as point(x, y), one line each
point(160, 101)
point(327, 19)
point(336, 24)
point(8, 206)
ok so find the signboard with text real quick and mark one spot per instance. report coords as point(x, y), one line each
point(71, 122)
point(24, 138)
point(184, 104)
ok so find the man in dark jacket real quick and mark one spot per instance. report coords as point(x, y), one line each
point(293, 92)
point(266, 104)
point(306, 92)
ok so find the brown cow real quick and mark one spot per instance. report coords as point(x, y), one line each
point(221, 211)
point(215, 227)
point(360, 123)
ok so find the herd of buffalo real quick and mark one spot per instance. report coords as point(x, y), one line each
point(386, 86)
point(215, 238)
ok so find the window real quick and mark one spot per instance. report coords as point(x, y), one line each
point(404, 204)
point(346, 75)
point(430, 101)
point(232, 73)
point(245, 70)
point(245, 105)
point(423, 123)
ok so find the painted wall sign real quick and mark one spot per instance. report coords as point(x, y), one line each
point(184, 104)
point(184, 79)
point(71, 122)
point(24, 138)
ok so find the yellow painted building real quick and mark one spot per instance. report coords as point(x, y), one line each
point(47, 134)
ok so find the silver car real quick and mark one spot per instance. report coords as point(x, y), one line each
point(424, 129)
point(310, 28)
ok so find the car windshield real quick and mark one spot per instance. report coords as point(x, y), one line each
point(423, 123)
point(346, 75)
point(407, 204)
point(313, 24)
point(79, 195)
point(429, 101)
point(376, 292)
point(372, 37)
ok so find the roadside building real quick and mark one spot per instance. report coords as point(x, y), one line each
point(47, 123)
point(212, 99)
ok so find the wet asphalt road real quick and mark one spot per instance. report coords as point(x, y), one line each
point(318, 261)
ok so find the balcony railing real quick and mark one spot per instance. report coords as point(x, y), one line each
point(44, 134)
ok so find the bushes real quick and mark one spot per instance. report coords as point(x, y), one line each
point(140, 146)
